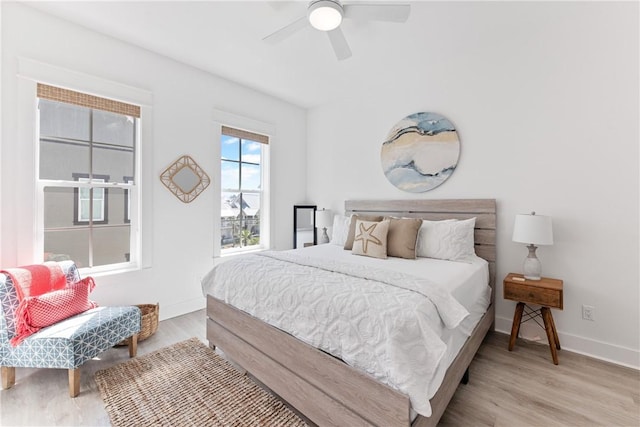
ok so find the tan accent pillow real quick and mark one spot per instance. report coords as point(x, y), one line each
point(352, 227)
point(371, 239)
point(402, 237)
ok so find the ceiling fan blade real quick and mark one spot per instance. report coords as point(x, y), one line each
point(339, 43)
point(287, 30)
point(377, 12)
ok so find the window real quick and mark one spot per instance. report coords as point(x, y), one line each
point(127, 201)
point(82, 210)
point(242, 156)
point(85, 140)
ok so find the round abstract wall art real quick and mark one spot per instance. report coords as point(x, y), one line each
point(420, 152)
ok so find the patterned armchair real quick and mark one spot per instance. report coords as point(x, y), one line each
point(66, 344)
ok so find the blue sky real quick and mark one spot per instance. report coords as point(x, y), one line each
point(251, 153)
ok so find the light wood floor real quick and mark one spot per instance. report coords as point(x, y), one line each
point(524, 388)
point(519, 388)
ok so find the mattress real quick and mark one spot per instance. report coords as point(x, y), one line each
point(467, 282)
point(353, 307)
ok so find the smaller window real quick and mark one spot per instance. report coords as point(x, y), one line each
point(82, 201)
point(241, 181)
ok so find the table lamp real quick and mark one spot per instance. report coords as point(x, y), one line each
point(533, 230)
point(324, 219)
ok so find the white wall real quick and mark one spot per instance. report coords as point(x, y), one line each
point(1, 92)
point(545, 100)
point(185, 101)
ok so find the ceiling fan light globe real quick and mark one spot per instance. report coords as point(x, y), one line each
point(325, 15)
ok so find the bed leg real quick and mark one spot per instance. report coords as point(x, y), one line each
point(465, 377)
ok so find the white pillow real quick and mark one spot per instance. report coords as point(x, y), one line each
point(340, 229)
point(428, 236)
point(449, 240)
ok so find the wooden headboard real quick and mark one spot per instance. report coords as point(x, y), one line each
point(483, 209)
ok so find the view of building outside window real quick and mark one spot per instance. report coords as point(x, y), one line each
point(85, 196)
point(87, 159)
point(241, 182)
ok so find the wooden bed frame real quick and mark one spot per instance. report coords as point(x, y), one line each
point(326, 390)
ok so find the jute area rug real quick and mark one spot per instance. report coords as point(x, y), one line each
point(187, 384)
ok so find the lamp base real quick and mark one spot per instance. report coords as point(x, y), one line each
point(532, 267)
point(325, 237)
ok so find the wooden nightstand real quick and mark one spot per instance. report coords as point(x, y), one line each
point(545, 292)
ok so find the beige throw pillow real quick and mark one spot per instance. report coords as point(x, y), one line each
point(352, 228)
point(371, 239)
point(402, 237)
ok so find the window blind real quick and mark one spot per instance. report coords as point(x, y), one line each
point(53, 93)
point(243, 134)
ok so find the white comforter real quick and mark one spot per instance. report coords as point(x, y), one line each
point(389, 326)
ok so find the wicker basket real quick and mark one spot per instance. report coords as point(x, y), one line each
point(148, 323)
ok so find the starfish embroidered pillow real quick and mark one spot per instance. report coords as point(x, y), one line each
point(370, 239)
point(348, 244)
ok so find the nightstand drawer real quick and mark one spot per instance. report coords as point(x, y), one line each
point(533, 295)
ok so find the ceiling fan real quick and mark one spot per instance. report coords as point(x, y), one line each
point(327, 15)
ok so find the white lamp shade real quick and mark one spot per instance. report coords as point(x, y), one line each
point(324, 219)
point(533, 229)
point(325, 15)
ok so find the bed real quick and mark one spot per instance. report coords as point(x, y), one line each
point(328, 391)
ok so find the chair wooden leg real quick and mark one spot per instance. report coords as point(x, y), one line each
point(8, 376)
point(133, 345)
point(74, 382)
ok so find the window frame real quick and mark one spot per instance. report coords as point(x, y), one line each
point(263, 147)
point(127, 200)
point(222, 119)
point(77, 206)
point(29, 213)
point(91, 183)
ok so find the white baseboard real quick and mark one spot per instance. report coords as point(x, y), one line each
point(597, 349)
point(168, 311)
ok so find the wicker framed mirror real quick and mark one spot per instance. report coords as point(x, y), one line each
point(185, 179)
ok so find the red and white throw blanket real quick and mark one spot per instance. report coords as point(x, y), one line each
point(31, 281)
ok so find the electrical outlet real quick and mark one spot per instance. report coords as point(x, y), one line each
point(588, 312)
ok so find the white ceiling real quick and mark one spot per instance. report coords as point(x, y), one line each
point(225, 38)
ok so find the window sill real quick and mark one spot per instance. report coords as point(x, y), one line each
point(231, 254)
point(93, 272)
point(241, 252)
